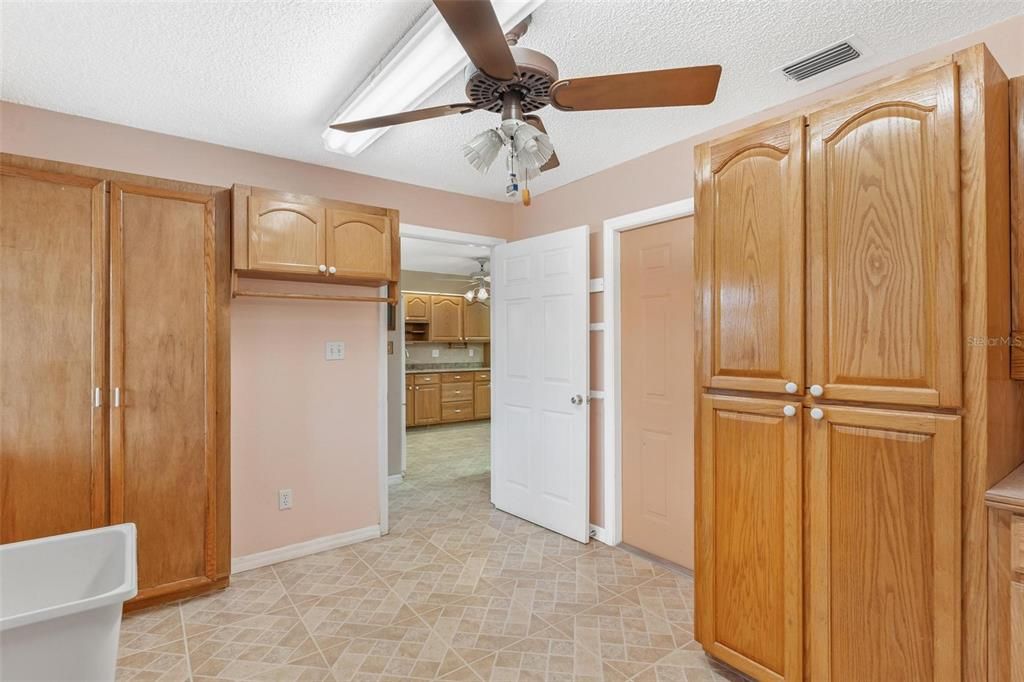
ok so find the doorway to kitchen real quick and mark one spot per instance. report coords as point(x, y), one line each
point(439, 375)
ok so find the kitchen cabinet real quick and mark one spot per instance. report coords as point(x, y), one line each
point(410, 402)
point(908, 419)
point(883, 544)
point(130, 276)
point(1005, 502)
point(482, 395)
point(446, 318)
point(427, 399)
point(1017, 226)
point(417, 307)
point(477, 321)
point(884, 221)
point(750, 261)
point(749, 522)
point(281, 235)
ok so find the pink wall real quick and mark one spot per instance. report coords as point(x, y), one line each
point(298, 421)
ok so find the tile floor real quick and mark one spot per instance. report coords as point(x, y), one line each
point(457, 591)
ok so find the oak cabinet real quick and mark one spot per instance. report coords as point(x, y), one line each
point(884, 545)
point(116, 288)
point(417, 307)
point(482, 400)
point(750, 262)
point(749, 578)
point(410, 403)
point(455, 392)
point(281, 235)
point(446, 318)
point(53, 340)
point(1017, 229)
point(477, 321)
point(427, 403)
point(456, 411)
point(884, 220)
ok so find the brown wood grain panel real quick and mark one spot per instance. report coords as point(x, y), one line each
point(456, 392)
point(417, 307)
point(427, 401)
point(750, 246)
point(749, 538)
point(477, 321)
point(163, 361)
point(883, 221)
point(53, 283)
point(285, 237)
point(359, 244)
point(446, 318)
point(482, 400)
point(884, 545)
point(1016, 100)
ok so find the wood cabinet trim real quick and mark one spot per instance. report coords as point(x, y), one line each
point(1016, 95)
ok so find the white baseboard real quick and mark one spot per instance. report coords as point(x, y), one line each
point(395, 478)
point(599, 533)
point(299, 549)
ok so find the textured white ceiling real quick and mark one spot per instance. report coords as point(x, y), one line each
point(423, 255)
point(266, 76)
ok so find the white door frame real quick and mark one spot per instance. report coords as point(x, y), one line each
point(433, 234)
point(612, 446)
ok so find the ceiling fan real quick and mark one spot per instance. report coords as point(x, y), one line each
point(480, 281)
point(516, 81)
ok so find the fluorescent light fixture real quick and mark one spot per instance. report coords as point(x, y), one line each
point(426, 58)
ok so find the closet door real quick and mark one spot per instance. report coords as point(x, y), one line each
point(750, 260)
point(163, 426)
point(884, 545)
point(748, 550)
point(884, 226)
point(53, 284)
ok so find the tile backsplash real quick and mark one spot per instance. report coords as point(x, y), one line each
point(421, 354)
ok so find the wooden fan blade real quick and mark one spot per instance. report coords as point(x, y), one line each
point(403, 117)
point(534, 120)
point(476, 26)
point(665, 88)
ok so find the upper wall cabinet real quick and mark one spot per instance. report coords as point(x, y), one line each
point(884, 238)
point(278, 235)
point(477, 321)
point(417, 307)
point(446, 318)
point(750, 214)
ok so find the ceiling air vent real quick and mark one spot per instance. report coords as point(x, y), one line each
point(826, 59)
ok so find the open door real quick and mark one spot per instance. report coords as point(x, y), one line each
point(540, 381)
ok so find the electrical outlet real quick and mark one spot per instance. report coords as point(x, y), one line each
point(472, 352)
point(335, 350)
point(435, 353)
point(284, 499)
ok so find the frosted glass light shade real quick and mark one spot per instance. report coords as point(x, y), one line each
point(483, 149)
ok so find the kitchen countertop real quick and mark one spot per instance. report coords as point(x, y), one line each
point(441, 370)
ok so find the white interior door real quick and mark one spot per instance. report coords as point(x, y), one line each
point(540, 381)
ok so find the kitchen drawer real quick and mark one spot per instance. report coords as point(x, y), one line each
point(483, 377)
point(457, 412)
point(451, 393)
point(456, 377)
point(1017, 543)
point(421, 379)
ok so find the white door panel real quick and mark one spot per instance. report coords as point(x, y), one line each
point(540, 347)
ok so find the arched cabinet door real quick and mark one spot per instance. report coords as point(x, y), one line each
point(750, 260)
point(883, 217)
point(359, 245)
point(446, 318)
point(285, 236)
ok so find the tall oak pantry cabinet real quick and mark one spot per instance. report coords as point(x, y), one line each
point(114, 373)
point(851, 263)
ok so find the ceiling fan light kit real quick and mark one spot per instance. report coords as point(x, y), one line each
point(515, 81)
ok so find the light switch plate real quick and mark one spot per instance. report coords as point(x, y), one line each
point(435, 353)
point(335, 350)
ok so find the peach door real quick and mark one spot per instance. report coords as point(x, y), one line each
point(657, 390)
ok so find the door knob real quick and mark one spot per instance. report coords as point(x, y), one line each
point(322, 268)
point(817, 413)
point(817, 390)
point(332, 269)
point(789, 410)
point(791, 387)
point(576, 399)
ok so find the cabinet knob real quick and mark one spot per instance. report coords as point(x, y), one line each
point(789, 410)
point(817, 413)
point(332, 270)
point(322, 268)
point(817, 391)
point(791, 387)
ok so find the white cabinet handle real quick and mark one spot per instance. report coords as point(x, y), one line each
point(97, 397)
point(789, 411)
point(332, 269)
point(817, 391)
point(817, 413)
point(117, 396)
point(791, 387)
point(322, 268)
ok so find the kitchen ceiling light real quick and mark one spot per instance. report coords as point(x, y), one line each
point(427, 57)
